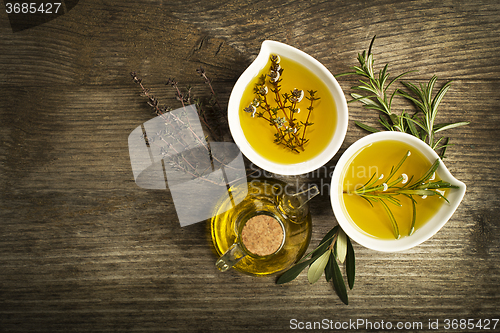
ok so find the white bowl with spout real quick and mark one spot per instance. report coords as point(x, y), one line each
point(420, 235)
point(271, 47)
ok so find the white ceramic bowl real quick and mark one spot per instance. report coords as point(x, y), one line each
point(421, 234)
point(272, 47)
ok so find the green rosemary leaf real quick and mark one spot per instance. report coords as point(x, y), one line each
point(385, 123)
point(350, 264)
point(371, 45)
point(382, 77)
point(443, 148)
point(345, 74)
point(366, 127)
point(369, 65)
point(439, 96)
point(397, 78)
point(417, 92)
point(416, 122)
point(338, 283)
point(363, 99)
point(427, 90)
point(368, 183)
point(376, 107)
point(366, 87)
point(441, 196)
point(439, 141)
point(317, 267)
point(395, 227)
point(358, 69)
point(438, 184)
point(414, 214)
point(442, 127)
point(398, 166)
point(368, 199)
point(411, 124)
point(393, 201)
point(394, 119)
point(341, 245)
point(369, 180)
point(418, 192)
point(428, 174)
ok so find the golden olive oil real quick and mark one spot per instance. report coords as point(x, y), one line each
point(379, 157)
point(260, 134)
point(258, 198)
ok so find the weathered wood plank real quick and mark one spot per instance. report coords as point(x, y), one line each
point(83, 248)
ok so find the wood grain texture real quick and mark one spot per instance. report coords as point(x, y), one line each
point(84, 249)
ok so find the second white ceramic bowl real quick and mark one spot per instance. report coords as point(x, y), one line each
point(421, 234)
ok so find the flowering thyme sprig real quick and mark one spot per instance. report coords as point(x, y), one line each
point(384, 190)
point(281, 110)
point(311, 98)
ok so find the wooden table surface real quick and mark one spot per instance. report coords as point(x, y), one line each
point(84, 249)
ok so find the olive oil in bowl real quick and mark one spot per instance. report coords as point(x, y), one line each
point(390, 191)
point(376, 160)
point(321, 121)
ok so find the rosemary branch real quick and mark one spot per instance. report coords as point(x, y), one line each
point(374, 94)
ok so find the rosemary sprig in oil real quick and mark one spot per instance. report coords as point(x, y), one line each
point(385, 190)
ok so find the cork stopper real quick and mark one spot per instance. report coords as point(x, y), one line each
point(262, 235)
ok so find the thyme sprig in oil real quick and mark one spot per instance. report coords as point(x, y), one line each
point(280, 109)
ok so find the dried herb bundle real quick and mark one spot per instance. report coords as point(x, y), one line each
point(183, 146)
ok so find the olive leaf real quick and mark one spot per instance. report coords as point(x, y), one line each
point(338, 283)
point(295, 270)
point(328, 268)
point(324, 258)
point(350, 265)
point(341, 245)
point(318, 266)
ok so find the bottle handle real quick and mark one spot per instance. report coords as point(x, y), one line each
point(307, 195)
point(294, 206)
point(234, 254)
